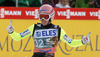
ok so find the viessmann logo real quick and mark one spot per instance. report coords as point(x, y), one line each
point(68, 13)
point(4, 12)
point(32, 13)
point(97, 14)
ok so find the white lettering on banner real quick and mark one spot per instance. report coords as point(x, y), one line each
point(69, 13)
point(12, 12)
point(32, 13)
point(4, 12)
point(95, 14)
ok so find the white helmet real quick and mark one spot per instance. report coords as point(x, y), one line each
point(48, 10)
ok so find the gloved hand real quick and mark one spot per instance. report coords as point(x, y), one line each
point(86, 39)
point(10, 28)
point(53, 41)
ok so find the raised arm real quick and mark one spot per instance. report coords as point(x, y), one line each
point(18, 36)
point(73, 42)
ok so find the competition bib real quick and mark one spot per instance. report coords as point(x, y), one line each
point(42, 37)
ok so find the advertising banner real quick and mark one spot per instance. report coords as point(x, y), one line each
point(64, 14)
point(75, 28)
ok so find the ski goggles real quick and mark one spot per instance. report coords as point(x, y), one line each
point(44, 16)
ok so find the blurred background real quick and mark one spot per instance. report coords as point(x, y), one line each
point(54, 3)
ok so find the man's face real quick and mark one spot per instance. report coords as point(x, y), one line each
point(44, 19)
point(64, 2)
